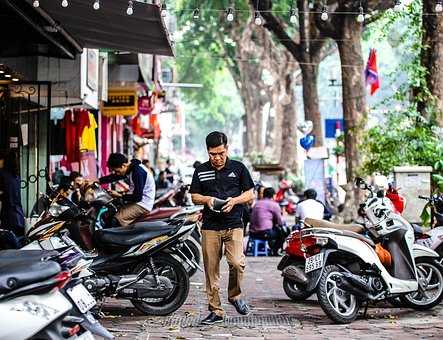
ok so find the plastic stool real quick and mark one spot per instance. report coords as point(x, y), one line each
point(259, 247)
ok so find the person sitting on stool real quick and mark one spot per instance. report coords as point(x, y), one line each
point(266, 221)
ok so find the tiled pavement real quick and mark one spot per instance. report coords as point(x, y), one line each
point(274, 316)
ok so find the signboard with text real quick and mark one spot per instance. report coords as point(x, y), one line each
point(121, 102)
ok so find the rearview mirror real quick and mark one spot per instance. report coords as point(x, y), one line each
point(360, 183)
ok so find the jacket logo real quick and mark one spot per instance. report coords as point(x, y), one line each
point(232, 175)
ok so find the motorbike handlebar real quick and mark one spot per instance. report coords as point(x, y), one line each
point(424, 198)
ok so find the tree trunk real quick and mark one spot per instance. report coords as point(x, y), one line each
point(254, 116)
point(288, 151)
point(251, 86)
point(310, 100)
point(354, 97)
point(305, 48)
point(432, 60)
point(253, 42)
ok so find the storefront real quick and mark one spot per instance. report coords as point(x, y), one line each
point(59, 91)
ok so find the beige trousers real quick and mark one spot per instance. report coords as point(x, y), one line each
point(129, 213)
point(212, 247)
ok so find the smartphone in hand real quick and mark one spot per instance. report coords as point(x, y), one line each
point(218, 204)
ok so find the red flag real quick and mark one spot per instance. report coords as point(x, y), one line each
point(371, 72)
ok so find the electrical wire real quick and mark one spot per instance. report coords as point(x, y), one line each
point(222, 57)
point(280, 11)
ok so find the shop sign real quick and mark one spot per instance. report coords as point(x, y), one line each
point(121, 102)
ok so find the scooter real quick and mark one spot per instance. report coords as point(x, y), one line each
point(286, 198)
point(297, 250)
point(292, 265)
point(434, 237)
point(349, 270)
point(33, 303)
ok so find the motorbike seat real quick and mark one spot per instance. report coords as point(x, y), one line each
point(18, 274)
point(134, 234)
point(359, 236)
point(159, 214)
point(22, 255)
point(350, 230)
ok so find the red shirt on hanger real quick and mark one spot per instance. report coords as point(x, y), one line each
point(74, 122)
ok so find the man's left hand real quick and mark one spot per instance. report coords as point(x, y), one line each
point(229, 205)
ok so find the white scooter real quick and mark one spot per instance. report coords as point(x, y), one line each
point(347, 271)
point(32, 304)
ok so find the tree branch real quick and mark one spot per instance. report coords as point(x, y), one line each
point(276, 27)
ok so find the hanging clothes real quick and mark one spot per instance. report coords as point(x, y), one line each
point(88, 142)
point(105, 128)
point(74, 123)
point(58, 134)
point(88, 166)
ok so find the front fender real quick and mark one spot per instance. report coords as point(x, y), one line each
point(422, 251)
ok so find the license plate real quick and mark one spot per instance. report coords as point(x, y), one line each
point(81, 297)
point(313, 263)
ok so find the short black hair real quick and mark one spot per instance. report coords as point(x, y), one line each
point(310, 194)
point(216, 138)
point(268, 193)
point(74, 175)
point(116, 160)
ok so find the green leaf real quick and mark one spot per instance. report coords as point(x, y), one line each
point(426, 216)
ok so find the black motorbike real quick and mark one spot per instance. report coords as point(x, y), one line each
point(138, 262)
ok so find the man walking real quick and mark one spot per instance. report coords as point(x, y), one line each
point(225, 179)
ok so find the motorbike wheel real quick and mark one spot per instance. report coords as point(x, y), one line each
point(176, 273)
point(195, 249)
point(430, 288)
point(295, 291)
point(339, 305)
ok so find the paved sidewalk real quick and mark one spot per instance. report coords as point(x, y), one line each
point(274, 315)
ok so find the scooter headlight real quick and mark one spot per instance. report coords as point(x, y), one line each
point(56, 209)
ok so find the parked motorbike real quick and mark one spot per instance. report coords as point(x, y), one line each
point(434, 237)
point(137, 263)
point(286, 198)
point(292, 265)
point(176, 196)
point(40, 301)
point(348, 270)
point(104, 207)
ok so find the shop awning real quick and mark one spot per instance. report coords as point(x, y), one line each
point(110, 27)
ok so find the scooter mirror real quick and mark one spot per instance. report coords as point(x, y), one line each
point(360, 183)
